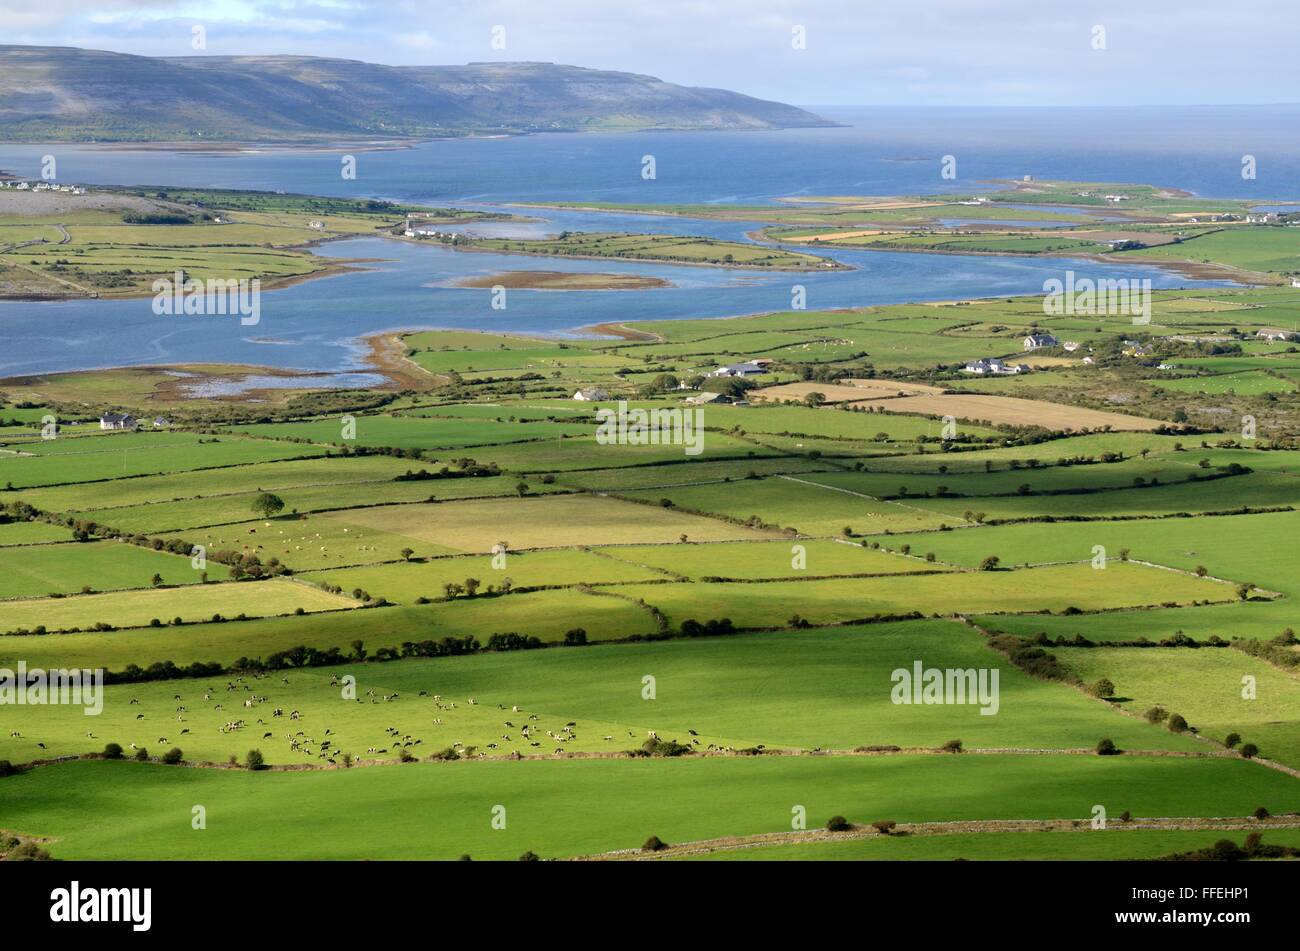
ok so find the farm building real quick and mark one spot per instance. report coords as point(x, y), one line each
point(1035, 341)
point(740, 369)
point(591, 394)
point(993, 365)
point(117, 421)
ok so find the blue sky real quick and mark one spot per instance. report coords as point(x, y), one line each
point(923, 52)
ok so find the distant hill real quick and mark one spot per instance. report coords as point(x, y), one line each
point(77, 95)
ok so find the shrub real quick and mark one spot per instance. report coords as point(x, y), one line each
point(990, 563)
point(1107, 747)
point(952, 746)
point(173, 756)
point(838, 824)
point(7, 769)
point(405, 755)
point(529, 856)
point(575, 637)
point(141, 755)
point(253, 760)
point(1156, 714)
point(1261, 813)
point(1103, 688)
point(113, 751)
point(1177, 724)
point(654, 844)
point(884, 826)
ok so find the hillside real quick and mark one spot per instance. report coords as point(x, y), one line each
point(69, 94)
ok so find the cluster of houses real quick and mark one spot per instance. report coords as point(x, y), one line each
point(992, 365)
point(1272, 333)
point(127, 421)
point(44, 187)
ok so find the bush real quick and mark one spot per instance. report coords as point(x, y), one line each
point(1107, 747)
point(654, 844)
point(141, 755)
point(952, 746)
point(253, 760)
point(838, 824)
point(173, 756)
point(1261, 813)
point(405, 755)
point(1156, 714)
point(1177, 724)
point(884, 826)
point(27, 852)
point(7, 769)
point(113, 751)
point(530, 856)
point(1104, 689)
point(990, 563)
point(1231, 740)
point(575, 637)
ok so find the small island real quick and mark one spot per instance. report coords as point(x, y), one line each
point(564, 281)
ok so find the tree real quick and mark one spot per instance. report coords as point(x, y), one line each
point(990, 563)
point(267, 504)
point(838, 824)
point(253, 760)
point(1231, 740)
point(1106, 747)
point(575, 637)
point(814, 399)
point(113, 751)
point(156, 580)
point(1249, 750)
point(173, 756)
point(1176, 723)
point(406, 553)
point(654, 844)
point(471, 586)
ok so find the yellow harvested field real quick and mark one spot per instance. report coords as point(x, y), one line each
point(891, 387)
point(559, 521)
point(1011, 410)
point(849, 391)
point(196, 602)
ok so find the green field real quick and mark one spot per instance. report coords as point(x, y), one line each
point(128, 810)
point(464, 545)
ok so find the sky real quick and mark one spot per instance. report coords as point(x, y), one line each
point(807, 52)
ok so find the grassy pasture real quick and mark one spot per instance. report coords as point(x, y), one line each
point(38, 570)
point(128, 810)
point(794, 503)
point(134, 608)
point(1052, 588)
point(404, 582)
point(85, 459)
point(828, 689)
point(1228, 546)
point(423, 432)
point(1253, 619)
point(1205, 686)
point(226, 509)
point(551, 522)
point(776, 559)
point(32, 533)
point(585, 453)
